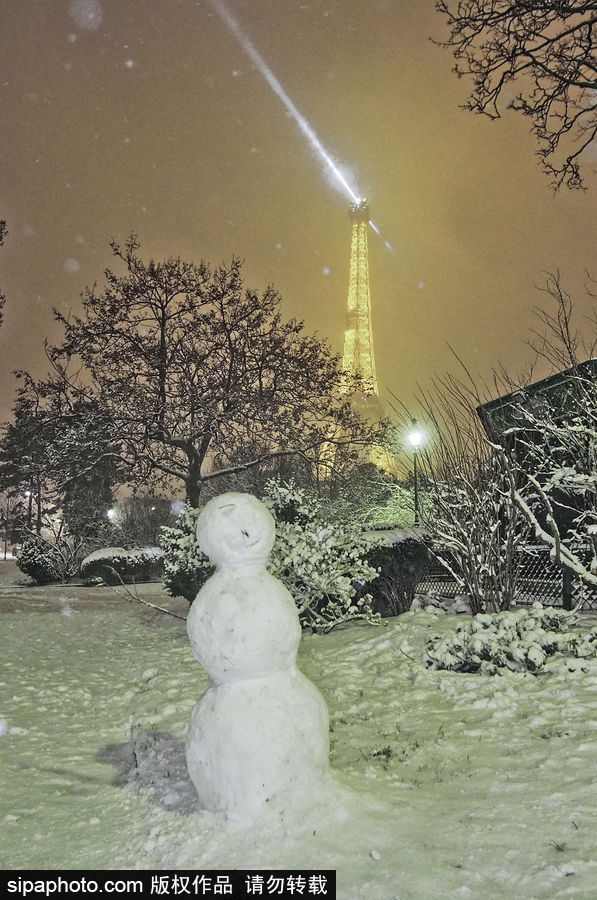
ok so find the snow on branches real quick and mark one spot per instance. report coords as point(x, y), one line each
point(319, 562)
point(521, 640)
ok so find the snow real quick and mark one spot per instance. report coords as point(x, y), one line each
point(86, 14)
point(258, 737)
point(122, 553)
point(523, 639)
point(456, 785)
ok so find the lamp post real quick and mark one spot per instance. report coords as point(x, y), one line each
point(415, 439)
point(6, 520)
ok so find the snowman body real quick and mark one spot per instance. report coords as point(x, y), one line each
point(259, 734)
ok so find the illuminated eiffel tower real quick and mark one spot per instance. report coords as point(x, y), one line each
point(358, 357)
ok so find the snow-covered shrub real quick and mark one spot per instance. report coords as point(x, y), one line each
point(39, 560)
point(115, 565)
point(370, 497)
point(520, 640)
point(321, 564)
point(400, 566)
point(291, 504)
point(186, 569)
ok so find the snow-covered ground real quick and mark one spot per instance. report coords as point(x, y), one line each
point(449, 785)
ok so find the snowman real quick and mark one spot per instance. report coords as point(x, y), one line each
point(258, 736)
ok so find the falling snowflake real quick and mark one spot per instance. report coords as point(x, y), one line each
point(421, 285)
point(177, 507)
point(130, 63)
point(326, 270)
point(72, 265)
point(86, 14)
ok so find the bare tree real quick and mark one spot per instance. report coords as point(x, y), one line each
point(199, 377)
point(474, 525)
point(552, 436)
point(529, 475)
point(139, 517)
point(547, 49)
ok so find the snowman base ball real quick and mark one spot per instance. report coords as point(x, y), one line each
point(255, 743)
point(259, 734)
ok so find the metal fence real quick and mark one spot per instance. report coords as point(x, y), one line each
point(539, 579)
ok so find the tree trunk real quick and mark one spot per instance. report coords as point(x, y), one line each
point(193, 479)
point(193, 492)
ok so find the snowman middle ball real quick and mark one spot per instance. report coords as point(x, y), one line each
point(243, 623)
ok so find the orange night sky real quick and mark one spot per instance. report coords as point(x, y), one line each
point(147, 116)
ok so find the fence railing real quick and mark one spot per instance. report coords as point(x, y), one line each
point(539, 578)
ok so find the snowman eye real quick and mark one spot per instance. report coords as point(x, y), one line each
point(246, 533)
point(226, 507)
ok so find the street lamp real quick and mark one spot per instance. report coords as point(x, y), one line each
point(415, 438)
point(7, 512)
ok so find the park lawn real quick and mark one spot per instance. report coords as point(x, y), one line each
point(448, 784)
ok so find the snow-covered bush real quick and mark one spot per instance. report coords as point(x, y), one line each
point(520, 640)
point(477, 531)
point(39, 560)
point(186, 569)
point(400, 567)
point(115, 565)
point(320, 563)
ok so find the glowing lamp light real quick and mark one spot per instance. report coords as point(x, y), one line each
point(415, 437)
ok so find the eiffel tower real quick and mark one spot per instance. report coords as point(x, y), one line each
point(358, 357)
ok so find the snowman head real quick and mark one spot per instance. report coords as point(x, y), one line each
point(235, 530)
